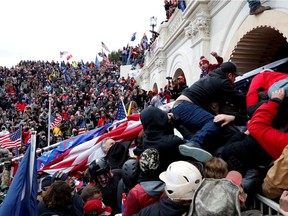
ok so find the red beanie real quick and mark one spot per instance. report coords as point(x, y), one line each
point(203, 60)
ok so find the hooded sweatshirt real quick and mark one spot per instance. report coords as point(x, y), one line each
point(159, 134)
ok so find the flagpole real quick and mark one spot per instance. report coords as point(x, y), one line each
point(123, 106)
point(21, 128)
point(129, 108)
point(49, 120)
point(32, 157)
point(47, 148)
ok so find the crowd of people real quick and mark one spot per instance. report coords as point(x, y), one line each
point(231, 147)
point(210, 115)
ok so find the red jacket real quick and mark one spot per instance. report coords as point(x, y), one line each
point(272, 140)
point(26, 135)
point(138, 199)
point(262, 80)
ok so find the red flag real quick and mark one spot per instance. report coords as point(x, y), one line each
point(79, 157)
point(69, 57)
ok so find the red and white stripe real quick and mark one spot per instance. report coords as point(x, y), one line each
point(57, 122)
point(79, 157)
point(6, 142)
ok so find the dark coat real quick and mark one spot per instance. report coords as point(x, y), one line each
point(165, 207)
point(215, 87)
point(159, 134)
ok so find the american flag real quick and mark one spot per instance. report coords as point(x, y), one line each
point(55, 122)
point(11, 140)
point(106, 59)
point(63, 53)
point(78, 158)
point(105, 47)
point(82, 127)
point(121, 112)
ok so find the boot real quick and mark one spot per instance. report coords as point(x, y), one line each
point(195, 151)
point(259, 10)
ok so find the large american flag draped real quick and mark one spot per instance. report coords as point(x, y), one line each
point(55, 122)
point(78, 158)
point(11, 140)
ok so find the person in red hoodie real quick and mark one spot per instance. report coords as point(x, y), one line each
point(260, 127)
point(259, 88)
point(274, 141)
point(21, 104)
point(149, 189)
point(26, 135)
point(205, 65)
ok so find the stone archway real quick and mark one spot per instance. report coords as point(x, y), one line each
point(259, 41)
point(179, 72)
point(259, 47)
point(155, 86)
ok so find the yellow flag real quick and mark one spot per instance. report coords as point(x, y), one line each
point(129, 108)
point(74, 64)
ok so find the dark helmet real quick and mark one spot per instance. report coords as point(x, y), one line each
point(98, 167)
point(130, 172)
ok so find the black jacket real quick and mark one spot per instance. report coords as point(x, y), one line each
point(215, 87)
point(165, 207)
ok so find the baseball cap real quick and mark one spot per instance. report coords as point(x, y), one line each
point(97, 205)
point(230, 67)
point(46, 182)
point(59, 175)
point(235, 177)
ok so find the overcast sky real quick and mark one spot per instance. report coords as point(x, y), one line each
point(40, 29)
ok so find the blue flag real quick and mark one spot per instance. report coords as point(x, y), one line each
point(97, 62)
point(182, 5)
point(133, 36)
point(21, 198)
point(65, 73)
point(121, 112)
point(47, 157)
point(83, 67)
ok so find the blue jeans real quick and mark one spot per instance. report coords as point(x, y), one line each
point(193, 117)
point(253, 4)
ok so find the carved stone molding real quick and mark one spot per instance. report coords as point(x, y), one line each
point(160, 63)
point(202, 23)
point(175, 23)
point(199, 27)
point(191, 30)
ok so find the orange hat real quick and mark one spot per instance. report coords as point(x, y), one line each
point(154, 90)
